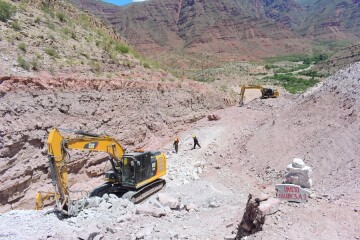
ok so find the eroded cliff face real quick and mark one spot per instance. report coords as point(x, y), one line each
point(236, 29)
point(333, 20)
point(228, 29)
point(138, 113)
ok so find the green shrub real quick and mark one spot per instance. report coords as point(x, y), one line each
point(22, 63)
point(146, 65)
point(84, 20)
point(15, 25)
point(320, 57)
point(46, 9)
point(311, 73)
point(35, 63)
point(122, 48)
point(51, 25)
point(6, 11)
point(289, 70)
point(61, 16)
point(269, 66)
point(37, 20)
point(52, 52)
point(70, 33)
point(22, 47)
point(293, 84)
point(95, 66)
point(22, 5)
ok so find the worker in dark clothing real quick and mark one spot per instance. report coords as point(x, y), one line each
point(176, 145)
point(196, 142)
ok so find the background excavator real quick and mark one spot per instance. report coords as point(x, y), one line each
point(265, 92)
point(134, 176)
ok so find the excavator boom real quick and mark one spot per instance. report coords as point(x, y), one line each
point(58, 146)
point(265, 92)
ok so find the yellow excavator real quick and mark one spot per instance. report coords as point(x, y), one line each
point(265, 92)
point(134, 176)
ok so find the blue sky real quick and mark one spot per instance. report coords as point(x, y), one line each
point(122, 2)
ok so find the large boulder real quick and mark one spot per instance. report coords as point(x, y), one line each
point(150, 210)
point(270, 206)
point(167, 200)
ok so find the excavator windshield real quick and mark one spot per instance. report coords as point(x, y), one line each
point(128, 175)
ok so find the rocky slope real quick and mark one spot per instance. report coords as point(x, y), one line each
point(341, 60)
point(335, 20)
point(60, 40)
point(229, 30)
point(136, 112)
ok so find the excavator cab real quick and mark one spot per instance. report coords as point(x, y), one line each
point(137, 168)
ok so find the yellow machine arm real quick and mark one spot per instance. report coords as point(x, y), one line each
point(265, 92)
point(243, 87)
point(57, 154)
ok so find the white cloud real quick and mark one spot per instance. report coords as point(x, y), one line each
point(139, 0)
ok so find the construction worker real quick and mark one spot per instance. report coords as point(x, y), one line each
point(176, 145)
point(196, 142)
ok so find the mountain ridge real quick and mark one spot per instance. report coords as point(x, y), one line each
point(235, 30)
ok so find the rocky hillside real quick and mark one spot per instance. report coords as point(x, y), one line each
point(344, 58)
point(332, 20)
point(216, 27)
point(56, 39)
point(139, 113)
point(230, 29)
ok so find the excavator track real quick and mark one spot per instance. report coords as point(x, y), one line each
point(126, 193)
point(144, 192)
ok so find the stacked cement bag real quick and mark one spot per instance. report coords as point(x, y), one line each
point(299, 173)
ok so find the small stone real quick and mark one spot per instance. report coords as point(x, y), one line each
point(195, 176)
point(105, 205)
point(106, 197)
point(98, 237)
point(111, 230)
point(230, 237)
point(190, 207)
point(213, 205)
point(113, 196)
point(229, 225)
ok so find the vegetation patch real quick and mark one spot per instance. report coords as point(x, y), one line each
point(306, 59)
point(288, 70)
point(52, 52)
point(312, 73)
point(37, 20)
point(61, 16)
point(122, 48)
point(95, 66)
point(7, 10)
point(15, 25)
point(293, 84)
point(22, 63)
point(22, 47)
